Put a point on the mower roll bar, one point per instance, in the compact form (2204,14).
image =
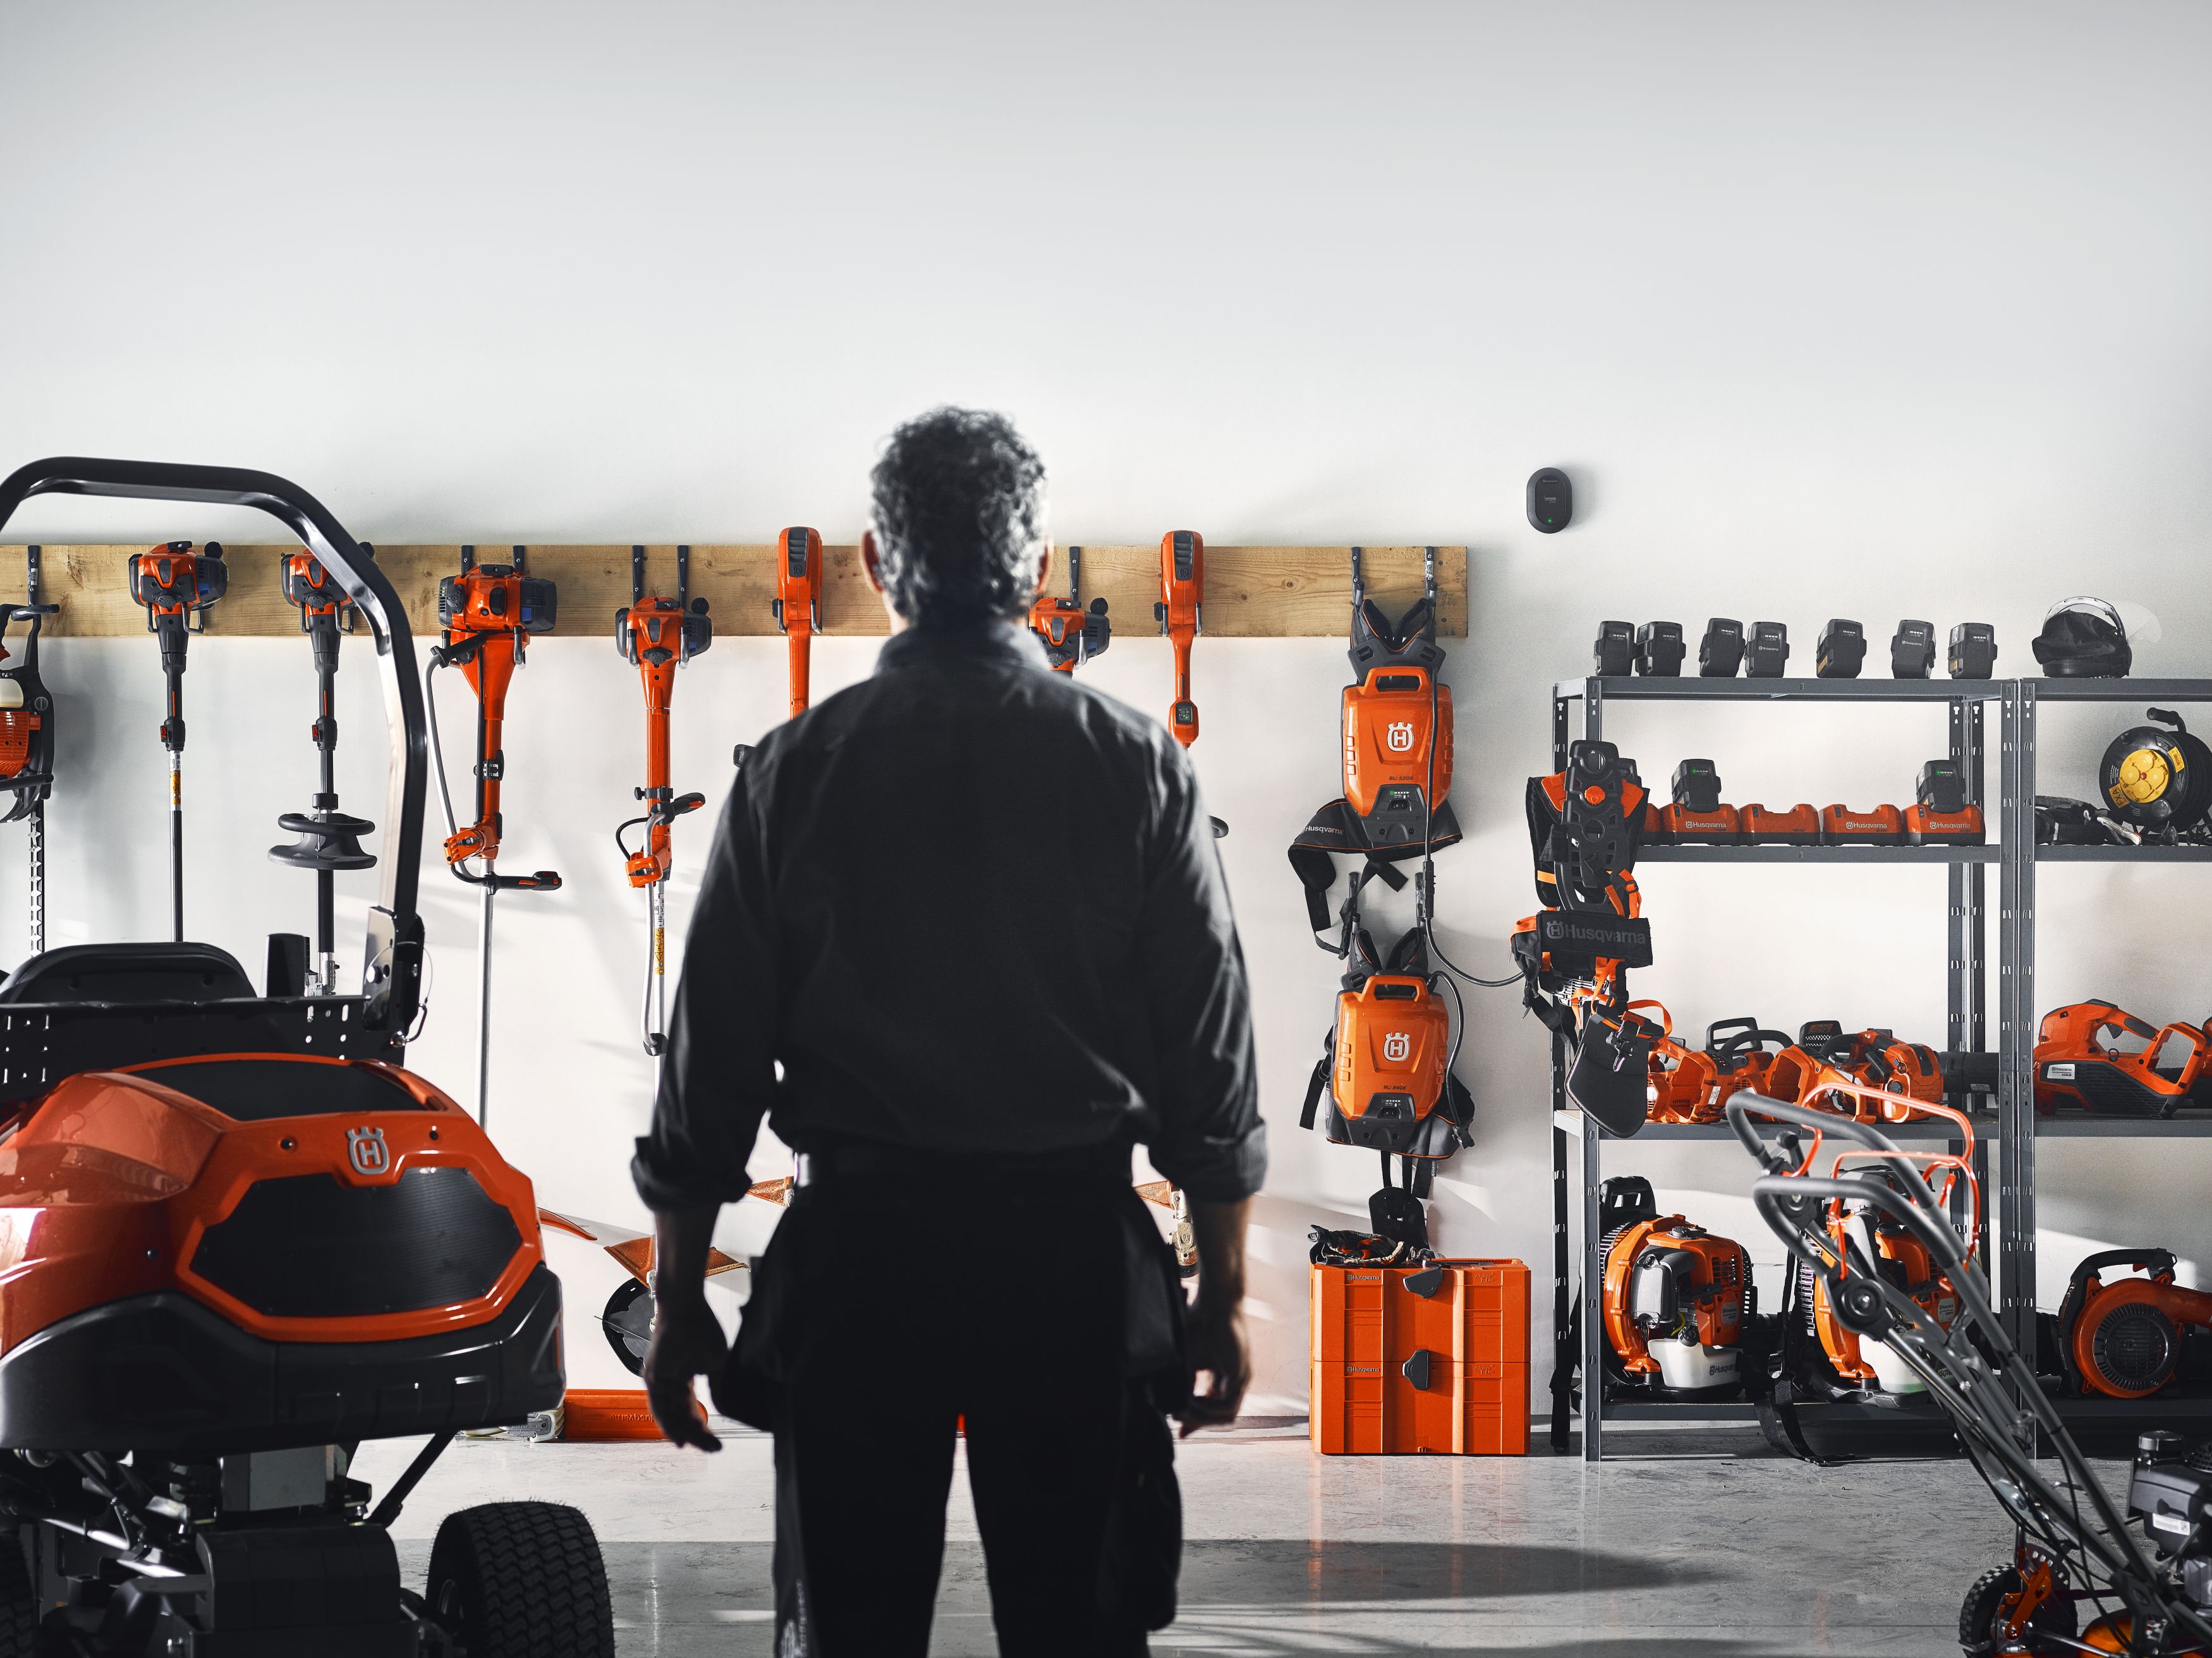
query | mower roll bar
(391,973)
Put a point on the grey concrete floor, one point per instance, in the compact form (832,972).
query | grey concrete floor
(1682,1543)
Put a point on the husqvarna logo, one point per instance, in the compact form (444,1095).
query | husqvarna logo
(366,1150)
(1398,734)
(1397,1046)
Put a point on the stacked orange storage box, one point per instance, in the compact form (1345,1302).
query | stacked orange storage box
(1421,1358)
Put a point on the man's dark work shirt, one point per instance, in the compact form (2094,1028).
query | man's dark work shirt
(971,906)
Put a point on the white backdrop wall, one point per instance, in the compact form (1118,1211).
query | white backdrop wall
(1863,310)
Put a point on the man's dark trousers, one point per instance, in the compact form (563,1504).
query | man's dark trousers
(904,1306)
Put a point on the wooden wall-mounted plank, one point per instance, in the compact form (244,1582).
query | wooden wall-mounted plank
(1251,593)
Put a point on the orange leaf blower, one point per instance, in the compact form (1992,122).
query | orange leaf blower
(488,612)
(27,738)
(798,604)
(2123,1340)
(176,587)
(658,636)
(1181,616)
(1678,1300)
(1071,635)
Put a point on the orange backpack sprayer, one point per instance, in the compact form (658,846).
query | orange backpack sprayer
(798,604)
(658,636)
(1071,635)
(329,840)
(488,612)
(1181,616)
(176,587)
(27,738)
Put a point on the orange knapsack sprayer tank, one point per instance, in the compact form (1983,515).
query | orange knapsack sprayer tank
(1071,635)
(328,841)
(658,636)
(2078,1064)
(177,586)
(488,612)
(798,604)
(1180,613)
(27,736)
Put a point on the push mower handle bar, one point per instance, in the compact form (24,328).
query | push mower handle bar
(1914,1204)
(395,929)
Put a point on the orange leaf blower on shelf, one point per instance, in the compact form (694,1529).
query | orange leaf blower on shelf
(1071,635)
(27,738)
(1678,1300)
(2123,1340)
(1181,616)
(176,587)
(488,612)
(658,636)
(798,604)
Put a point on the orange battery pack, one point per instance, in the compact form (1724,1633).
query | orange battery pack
(1777,826)
(1877,826)
(1924,826)
(1686,827)
(1411,1359)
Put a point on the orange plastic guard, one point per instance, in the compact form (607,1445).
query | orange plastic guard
(798,603)
(1182,613)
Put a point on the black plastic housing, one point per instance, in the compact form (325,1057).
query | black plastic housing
(1973,650)
(1720,653)
(1841,651)
(1660,649)
(1912,650)
(1767,652)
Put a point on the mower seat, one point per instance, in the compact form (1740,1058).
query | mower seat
(128,973)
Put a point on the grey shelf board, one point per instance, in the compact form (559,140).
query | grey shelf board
(1938,856)
(1572,1121)
(2117,855)
(2183,1124)
(2119,690)
(1660,690)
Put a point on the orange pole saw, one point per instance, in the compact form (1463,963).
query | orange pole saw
(1071,635)
(27,738)
(1181,616)
(658,636)
(176,587)
(488,612)
(798,604)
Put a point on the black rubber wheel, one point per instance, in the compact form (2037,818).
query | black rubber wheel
(1978,1613)
(19,1601)
(522,1580)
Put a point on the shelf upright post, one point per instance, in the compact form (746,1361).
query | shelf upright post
(1968,982)
(1562,1340)
(1593,1245)
(2016,1019)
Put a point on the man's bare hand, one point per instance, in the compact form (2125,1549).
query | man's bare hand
(1218,1350)
(686,1342)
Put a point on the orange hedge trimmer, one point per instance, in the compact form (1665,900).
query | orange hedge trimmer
(176,587)
(658,636)
(798,604)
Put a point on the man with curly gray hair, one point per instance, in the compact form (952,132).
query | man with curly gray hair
(963,942)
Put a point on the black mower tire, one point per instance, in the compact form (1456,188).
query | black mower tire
(522,1580)
(19,1602)
(1977,1614)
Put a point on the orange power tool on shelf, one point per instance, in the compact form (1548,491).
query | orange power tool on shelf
(1181,616)
(488,612)
(27,736)
(658,636)
(175,586)
(1071,635)
(798,604)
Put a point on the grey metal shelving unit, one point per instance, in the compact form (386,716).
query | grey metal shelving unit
(2017,858)
(1963,702)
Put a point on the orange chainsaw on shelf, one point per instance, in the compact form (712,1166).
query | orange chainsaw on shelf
(657,636)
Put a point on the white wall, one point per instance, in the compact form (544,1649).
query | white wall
(1861,310)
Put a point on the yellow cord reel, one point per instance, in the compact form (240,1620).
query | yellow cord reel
(2156,780)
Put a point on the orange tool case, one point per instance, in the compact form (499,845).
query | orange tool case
(1421,1358)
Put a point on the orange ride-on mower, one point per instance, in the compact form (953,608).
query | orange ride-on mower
(2089,1572)
(243,1238)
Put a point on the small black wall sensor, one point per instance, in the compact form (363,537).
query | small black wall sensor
(1551,500)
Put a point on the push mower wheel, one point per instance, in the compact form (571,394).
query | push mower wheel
(1986,1603)
(522,1580)
(19,1602)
